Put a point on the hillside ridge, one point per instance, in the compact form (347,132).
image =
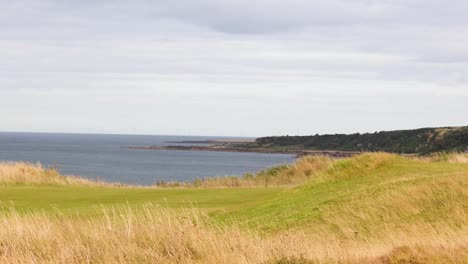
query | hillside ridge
(415,141)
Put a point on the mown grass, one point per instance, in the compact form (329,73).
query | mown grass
(83,200)
(373,208)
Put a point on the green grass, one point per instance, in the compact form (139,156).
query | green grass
(379,188)
(84,200)
(372,208)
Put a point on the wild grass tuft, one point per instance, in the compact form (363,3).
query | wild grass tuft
(454,158)
(28,173)
(152,234)
(301,171)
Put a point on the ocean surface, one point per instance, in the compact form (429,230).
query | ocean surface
(102,157)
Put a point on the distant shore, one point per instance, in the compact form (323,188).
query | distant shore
(227,148)
(218,141)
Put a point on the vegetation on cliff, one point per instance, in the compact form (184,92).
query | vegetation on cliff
(421,141)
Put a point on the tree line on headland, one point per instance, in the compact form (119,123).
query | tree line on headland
(421,141)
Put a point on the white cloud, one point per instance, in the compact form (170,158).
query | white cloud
(232,67)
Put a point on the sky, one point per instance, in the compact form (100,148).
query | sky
(232,68)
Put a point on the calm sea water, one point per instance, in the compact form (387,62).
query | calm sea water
(102,157)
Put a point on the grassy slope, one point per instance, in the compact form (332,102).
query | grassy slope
(372,184)
(84,200)
(355,210)
(32,188)
(372,191)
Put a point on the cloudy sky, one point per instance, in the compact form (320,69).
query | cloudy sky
(232,67)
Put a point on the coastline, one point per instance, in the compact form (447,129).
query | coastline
(223,148)
(211,142)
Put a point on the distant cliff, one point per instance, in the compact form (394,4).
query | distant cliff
(423,141)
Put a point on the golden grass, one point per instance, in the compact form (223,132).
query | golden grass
(398,216)
(456,158)
(309,168)
(402,209)
(453,158)
(28,173)
(155,235)
(301,171)
(285,175)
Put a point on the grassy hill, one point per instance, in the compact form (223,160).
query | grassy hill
(372,208)
(424,140)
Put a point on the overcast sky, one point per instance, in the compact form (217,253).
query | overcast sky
(238,68)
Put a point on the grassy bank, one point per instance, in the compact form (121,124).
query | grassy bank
(373,208)
(152,234)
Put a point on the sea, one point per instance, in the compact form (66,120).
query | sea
(104,157)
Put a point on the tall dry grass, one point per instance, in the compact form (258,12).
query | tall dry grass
(155,235)
(411,205)
(411,219)
(454,158)
(28,173)
(285,175)
(301,171)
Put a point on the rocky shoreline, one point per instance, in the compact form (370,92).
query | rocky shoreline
(223,148)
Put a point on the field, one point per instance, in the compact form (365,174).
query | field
(372,208)
(83,200)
